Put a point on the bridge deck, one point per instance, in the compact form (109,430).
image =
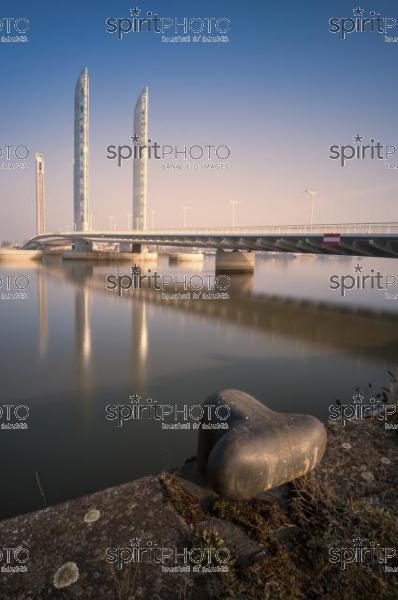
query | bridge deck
(357,239)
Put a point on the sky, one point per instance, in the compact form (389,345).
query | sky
(278,94)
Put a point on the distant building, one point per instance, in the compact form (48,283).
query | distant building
(140,168)
(80,165)
(40,221)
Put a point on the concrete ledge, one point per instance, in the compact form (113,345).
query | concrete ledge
(11,254)
(115,256)
(79,532)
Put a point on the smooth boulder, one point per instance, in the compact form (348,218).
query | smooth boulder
(261,448)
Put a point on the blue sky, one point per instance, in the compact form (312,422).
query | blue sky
(279,94)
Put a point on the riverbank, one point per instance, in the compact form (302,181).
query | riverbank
(282,544)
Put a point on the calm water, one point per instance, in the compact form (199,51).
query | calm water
(72,347)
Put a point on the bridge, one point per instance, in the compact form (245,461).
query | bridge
(355,239)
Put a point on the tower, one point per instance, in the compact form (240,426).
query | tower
(40,223)
(140,168)
(80,164)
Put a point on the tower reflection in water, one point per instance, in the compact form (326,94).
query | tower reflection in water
(139,346)
(43,313)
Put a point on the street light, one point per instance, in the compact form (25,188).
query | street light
(153,213)
(129,220)
(234,203)
(312,193)
(112,222)
(185,208)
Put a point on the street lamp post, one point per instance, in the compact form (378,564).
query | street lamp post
(234,203)
(312,193)
(153,213)
(185,208)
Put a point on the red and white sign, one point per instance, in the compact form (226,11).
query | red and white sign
(331,239)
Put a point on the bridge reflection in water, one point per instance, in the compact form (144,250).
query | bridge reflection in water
(364,331)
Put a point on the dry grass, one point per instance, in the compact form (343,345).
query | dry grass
(186,504)
(259,518)
(125,581)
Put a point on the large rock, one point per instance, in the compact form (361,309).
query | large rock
(260,450)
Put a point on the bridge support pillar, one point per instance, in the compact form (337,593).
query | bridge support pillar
(176,257)
(124,247)
(82,246)
(235,262)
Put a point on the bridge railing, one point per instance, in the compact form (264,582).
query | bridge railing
(284,229)
(342,228)
(262,230)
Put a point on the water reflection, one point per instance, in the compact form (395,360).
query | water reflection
(349,329)
(95,348)
(139,345)
(43,316)
(81,274)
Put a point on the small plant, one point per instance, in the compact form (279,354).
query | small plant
(207,539)
(187,505)
(125,582)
